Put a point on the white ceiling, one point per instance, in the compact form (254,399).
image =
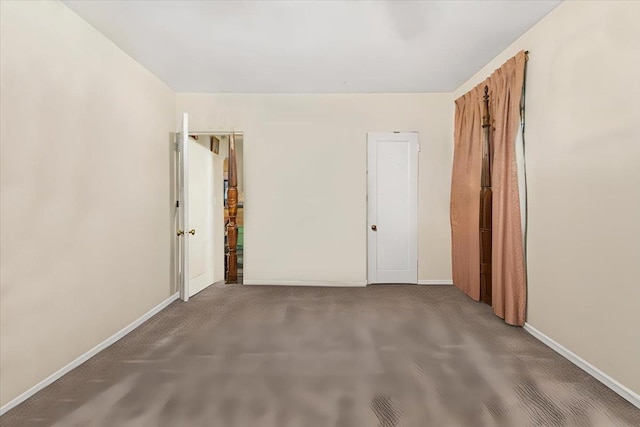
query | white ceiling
(313,46)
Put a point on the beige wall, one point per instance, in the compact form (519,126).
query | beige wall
(583,174)
(305,178)
(85,204)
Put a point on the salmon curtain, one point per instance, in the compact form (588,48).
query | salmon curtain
(508,263)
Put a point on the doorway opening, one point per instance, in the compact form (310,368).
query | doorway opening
(209,209)
(228,164)
(227,178)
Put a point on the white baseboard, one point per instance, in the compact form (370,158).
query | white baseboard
(88,355)
(334,284)
(436,282)
(623,391)
(356,284)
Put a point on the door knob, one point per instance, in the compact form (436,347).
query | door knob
(374,227)
(179,232)
(192,232)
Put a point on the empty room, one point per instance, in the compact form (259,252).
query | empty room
(319,213)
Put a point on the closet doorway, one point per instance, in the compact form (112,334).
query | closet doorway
(392,207)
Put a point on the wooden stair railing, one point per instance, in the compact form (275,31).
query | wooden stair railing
(486,196)
(231,275)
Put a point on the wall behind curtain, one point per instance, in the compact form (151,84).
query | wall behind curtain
(85,206)
(582,157)
(305,178)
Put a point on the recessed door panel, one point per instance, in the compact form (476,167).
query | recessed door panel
(201,261)
(392,207)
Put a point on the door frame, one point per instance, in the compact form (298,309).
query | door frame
(180,209)
(372,199)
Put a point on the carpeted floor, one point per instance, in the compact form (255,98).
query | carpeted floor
(250,356)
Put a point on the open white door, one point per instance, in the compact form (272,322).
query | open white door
(182,141)
(392,206)
(200,209)
(195,210)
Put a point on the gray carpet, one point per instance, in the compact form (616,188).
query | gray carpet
(242,356)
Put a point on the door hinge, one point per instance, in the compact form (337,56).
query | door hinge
(176,146)
(177,203)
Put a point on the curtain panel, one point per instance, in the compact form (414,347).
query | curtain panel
(508,262)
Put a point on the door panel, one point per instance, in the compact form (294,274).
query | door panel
(392,207)
(200,216)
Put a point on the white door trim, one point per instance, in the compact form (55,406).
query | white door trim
(182,139)
(410,138)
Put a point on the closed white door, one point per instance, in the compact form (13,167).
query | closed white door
(392,207)
(201,214)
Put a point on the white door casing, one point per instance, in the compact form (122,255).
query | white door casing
(182,148)
(392,207)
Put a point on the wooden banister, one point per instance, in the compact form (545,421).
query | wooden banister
(486,196)
(232,207)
